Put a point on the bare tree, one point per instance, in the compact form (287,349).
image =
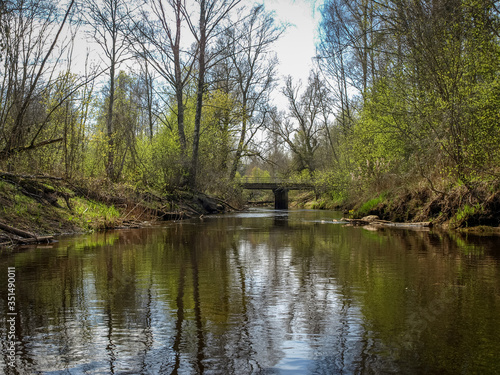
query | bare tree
(157,38)
(107,19)
(33,43)
(352,52)
(212,15)
(4,27)
(254,71)
(302,129)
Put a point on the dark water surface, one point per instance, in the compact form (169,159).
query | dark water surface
(259,292)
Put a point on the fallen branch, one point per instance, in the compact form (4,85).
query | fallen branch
(6,154)
(16,231)
(25,241)
(224,202)
(22,237)
(191,208)
(33,177)
(372,221)
(426,224)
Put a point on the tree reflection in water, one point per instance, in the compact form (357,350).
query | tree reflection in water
(257,293)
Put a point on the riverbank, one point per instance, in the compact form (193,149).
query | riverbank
(474,209)
(37,207)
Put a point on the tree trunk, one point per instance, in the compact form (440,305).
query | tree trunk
(241,143)
(179,85)
(199,96)
(109,124)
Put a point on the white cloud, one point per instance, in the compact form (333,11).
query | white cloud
(296,48)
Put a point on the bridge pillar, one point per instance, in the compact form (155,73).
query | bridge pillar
(280,198)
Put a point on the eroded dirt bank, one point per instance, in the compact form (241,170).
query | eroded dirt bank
(34,208)
(475,208)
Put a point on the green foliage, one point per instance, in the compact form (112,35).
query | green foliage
(335,184)
(167,158)
(256,172)
(219,127)
(370,205)
(93,215)
(465,215)
(429,102)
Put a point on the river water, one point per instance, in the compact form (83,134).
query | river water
(255,292)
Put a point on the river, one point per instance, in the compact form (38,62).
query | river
(255,292)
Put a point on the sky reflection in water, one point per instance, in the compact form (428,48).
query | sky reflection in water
(258,292)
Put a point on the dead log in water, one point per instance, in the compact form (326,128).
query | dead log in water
(16,231)
(24,237)
(372,220)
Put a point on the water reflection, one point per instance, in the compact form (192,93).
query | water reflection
(259,292)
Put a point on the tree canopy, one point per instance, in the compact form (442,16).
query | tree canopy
(182,93)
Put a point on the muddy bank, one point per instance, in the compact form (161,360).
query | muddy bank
(35,208)
(457,208)
(474,209)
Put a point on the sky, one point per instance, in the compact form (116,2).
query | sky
(296,48)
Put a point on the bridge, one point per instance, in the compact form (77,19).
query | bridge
(279,187)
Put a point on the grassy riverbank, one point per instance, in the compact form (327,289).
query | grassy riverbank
(46,206)
(456,207)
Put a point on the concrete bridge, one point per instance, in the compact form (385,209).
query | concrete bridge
(279,187)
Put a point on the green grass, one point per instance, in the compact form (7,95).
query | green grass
(464,214)
(43,218)
(93,215)
(370,205)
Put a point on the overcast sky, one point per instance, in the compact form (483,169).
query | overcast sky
(296,48)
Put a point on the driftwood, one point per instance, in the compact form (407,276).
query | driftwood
(225,203)
(16,231)
(356,221)
(370,220)
(424,224)
(22,237)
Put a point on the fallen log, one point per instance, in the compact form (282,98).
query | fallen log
(22,237)
(425,224)
(26,241)
(222,201)
(16,231)
(385,223)
(356,221)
